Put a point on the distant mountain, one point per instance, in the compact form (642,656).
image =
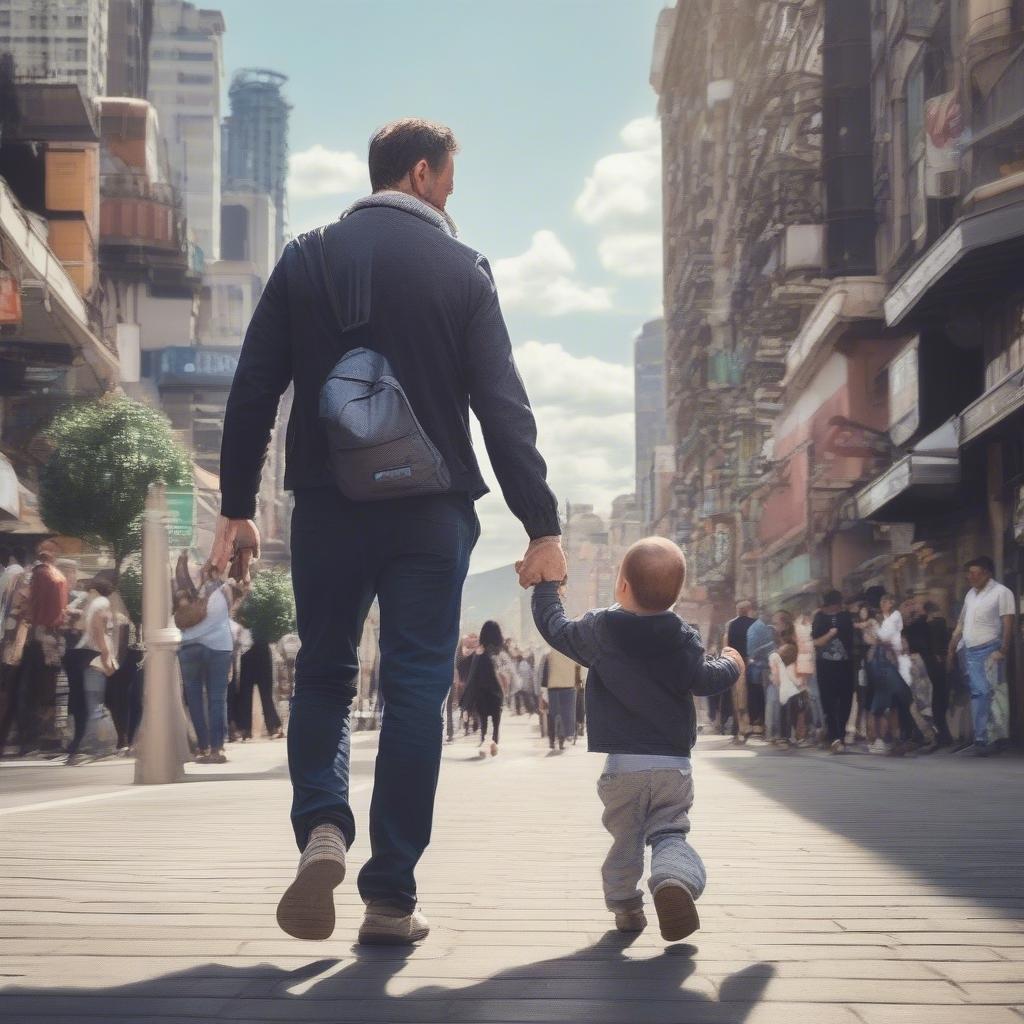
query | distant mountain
(492,595)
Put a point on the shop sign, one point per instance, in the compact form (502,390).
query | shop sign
(10,298)
(904,394)
(884,489)
(992,407)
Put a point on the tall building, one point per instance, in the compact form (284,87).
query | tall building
(257,139)
(649,400)
(185,72)
(129,28)
(57,41)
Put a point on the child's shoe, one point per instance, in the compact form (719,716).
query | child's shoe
(630,920)
(677,911)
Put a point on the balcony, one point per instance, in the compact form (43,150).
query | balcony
(713,557)
(133,211)
(724,370)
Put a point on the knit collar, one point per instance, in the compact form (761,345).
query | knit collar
(410,204)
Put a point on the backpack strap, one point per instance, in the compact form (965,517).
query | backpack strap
(332,294)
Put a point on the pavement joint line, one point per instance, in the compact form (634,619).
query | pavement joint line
(90,798)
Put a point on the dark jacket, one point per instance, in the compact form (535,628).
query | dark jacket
(425,301)
(644,673)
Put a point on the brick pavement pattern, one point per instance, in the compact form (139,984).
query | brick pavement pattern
(842,890)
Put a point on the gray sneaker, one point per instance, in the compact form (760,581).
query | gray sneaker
(384,925)
(630,920)
(306,910)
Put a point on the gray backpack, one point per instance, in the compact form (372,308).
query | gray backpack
(377,448)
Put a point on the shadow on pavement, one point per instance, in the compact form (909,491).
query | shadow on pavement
(593,985)
(952,821)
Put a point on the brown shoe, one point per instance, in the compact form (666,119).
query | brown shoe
(677,912)
(306,910)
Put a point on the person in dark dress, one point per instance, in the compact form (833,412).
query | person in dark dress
(487,685)
(748,701)
(833,635)
(939,633)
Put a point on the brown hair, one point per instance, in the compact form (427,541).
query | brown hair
(655,570)
(787,652)
(399,146)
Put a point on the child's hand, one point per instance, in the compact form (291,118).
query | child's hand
(735,657)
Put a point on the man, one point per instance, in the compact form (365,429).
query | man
(398,283)
(985,632)
(560,680)
(833,635)
(748,691)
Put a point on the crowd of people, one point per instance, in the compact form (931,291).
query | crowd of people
(494,675)
(71,660)
(882,672)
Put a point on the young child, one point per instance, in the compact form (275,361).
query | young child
(646,665)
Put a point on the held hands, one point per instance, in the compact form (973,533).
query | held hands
(235,538)
(544,562)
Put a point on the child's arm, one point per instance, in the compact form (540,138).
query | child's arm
(715,675)
(573,637)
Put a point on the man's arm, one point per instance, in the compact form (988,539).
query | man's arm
(499,400)
(1007,641)
(573,637)
(954,639)
(264,372)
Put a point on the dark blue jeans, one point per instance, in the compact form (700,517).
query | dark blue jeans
(412,555)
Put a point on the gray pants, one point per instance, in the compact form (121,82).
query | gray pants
(648,809)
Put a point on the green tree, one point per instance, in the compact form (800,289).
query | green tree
(130,588)
(106,454)
(268,611)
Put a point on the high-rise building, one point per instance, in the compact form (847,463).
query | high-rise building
(129,27)
(185,70)
(257,139)
(57,41)
(649,400)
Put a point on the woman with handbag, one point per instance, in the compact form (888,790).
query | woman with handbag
(90,662)
(207,647)
(490,673)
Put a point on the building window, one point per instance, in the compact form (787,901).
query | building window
(76,21)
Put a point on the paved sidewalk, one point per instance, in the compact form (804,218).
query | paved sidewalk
(852,890)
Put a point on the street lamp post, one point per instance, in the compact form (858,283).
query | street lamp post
(163,733)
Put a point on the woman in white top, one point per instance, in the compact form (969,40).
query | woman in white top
(205,658)
(91,661)
(791,692)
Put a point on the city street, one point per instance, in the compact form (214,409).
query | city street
(853,890)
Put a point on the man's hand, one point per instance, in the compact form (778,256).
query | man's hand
(544,562)
(735,657)
(997,656)
(235,537)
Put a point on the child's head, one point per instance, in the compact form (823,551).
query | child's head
(651,576)
(787,652)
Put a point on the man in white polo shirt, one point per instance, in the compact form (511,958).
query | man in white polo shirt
(985,631)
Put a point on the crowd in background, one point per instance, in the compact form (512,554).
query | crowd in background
(71,665)
(884,672)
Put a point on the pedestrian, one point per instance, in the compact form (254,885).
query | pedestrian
(488,680)
(205,657)
(748,695)
(387,295)
(12,640)
(775,721)
(939,633)
(523,692)
(89,665)
(560,682)
(760,642)
(832,634)
(791,696)
(645,667)
(985,632)
(805,670)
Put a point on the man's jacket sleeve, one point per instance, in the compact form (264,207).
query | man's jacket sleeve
(264,372)
(575,638)
(498,398)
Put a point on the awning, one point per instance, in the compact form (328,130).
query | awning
(961,259)
(28,521)
(930,471)
(993,407)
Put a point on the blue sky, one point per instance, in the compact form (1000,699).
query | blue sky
(557,182)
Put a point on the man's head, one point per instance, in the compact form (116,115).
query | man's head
(651,576)
(744,608)
(832,602)
(47,552)
(414,156)
(979,571)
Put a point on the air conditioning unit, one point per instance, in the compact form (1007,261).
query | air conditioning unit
(941,184)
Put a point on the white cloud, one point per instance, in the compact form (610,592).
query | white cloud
(318,171)
(540,281)
(584,410)
(625,185)
(632,254)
